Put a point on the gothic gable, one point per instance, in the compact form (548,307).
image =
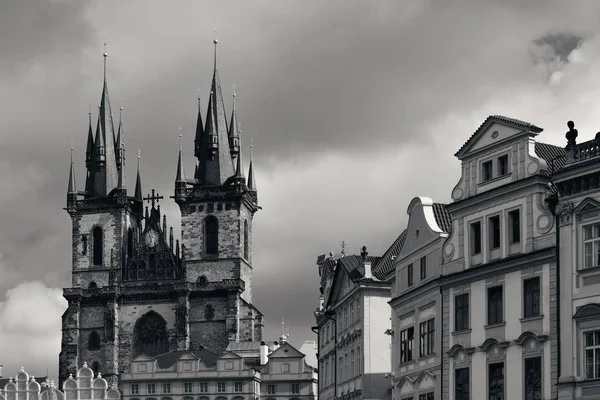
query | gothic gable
(340,287)
(493,130)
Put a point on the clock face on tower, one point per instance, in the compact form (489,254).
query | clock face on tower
(151,238)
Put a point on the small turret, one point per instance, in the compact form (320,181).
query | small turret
(251,178)
(180,184)
(90,157)
(199,132)
(239,178)
(164,227)
(72,189)
(234,139)
(138,181)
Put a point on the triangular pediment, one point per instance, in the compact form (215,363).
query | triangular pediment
(143,357)
(187,356)
(588,204)
(230,356)
(286,351)
(493,130)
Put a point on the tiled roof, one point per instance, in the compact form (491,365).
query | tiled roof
(500,118)
(247,346)
(552,154)
(168,359)
(352,262)
(386,263)
(442,217)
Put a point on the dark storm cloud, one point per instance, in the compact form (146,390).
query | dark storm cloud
(355,107)
(561,44)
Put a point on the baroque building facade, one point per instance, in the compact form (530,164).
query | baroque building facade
(416,304)
(353,351)
(137,291)
(577,207)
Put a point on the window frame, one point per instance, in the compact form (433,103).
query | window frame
(407,337)
(499,161)
(535,305)
(511,226)
(494,232)
(211,235)
(499,319)
(427,337)
(166,387)
(151,388)
(423,267)
(271,388)
(595,357)
(97,242)
(221,385)
(409,275)
(489,378)
(203,387)
(295,386)
(484,171)
(594,241)
(238,385)
(525,374)
(134,388)
(187,385)
(464,310)
(463,396)
(476,245)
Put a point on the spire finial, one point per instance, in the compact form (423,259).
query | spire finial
(180,147)
(90,112)
(199,104)
(105,56)
(215,41)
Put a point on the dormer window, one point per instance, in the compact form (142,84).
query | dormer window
(486,170)
(503,165)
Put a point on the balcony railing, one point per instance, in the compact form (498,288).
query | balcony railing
(582,152)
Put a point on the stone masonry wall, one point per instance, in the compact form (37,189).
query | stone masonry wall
(204,330)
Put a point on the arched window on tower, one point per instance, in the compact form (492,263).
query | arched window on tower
(150,335)
(211,235)
(96,367)
(98,245)
(246,244)
(94,341)
(129,243)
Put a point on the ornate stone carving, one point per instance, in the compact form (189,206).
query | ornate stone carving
(565,213)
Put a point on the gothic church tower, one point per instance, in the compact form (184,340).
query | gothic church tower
(134,289)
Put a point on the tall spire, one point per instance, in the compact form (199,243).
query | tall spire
(216,164)
(138,182)
(251,178)
(234,140)
(199,131)
(120,139)
(121,151)
(106,173)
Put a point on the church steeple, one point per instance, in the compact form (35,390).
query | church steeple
(199,131)
(251,178)
(216,164)
(90,156)
(180,184)
(106,171)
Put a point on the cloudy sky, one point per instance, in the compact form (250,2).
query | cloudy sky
(355,107)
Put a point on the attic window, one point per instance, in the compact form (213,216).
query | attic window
(503,165)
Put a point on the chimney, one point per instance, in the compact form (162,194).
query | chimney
(275,345)
(367,264)
(264,350)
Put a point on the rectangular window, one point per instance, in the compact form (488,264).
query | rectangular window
(461,384)
(327,334)
(503,165)
(358,364)
(221,387)
(352,370)
(591,243)
(426,396)
(476,238)
(187,387)
(346,365)
(270,389)
(326,380)
(135,389)
(531,297)
(295,388)
(514,226)
(203,387)
(352,312)
(423,268)
(238,386)
(495,315)
(426,337)
(406,344)
(494,231)
(166,388)
(533,378)
(592,355)
(346,318)
(496,381)
(409,273)
(461,312)
(341,364)
(486,170)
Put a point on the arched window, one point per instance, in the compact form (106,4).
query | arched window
(211,235)
(96,367)
(92,285)
(150,335)
(94,341)
(98,245)
(246,244)
(202,280)
(129,243)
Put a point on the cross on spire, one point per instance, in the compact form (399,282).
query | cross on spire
(155,197)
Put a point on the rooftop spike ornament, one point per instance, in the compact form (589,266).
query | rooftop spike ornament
(234,139)
(180,183)
(138,182)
